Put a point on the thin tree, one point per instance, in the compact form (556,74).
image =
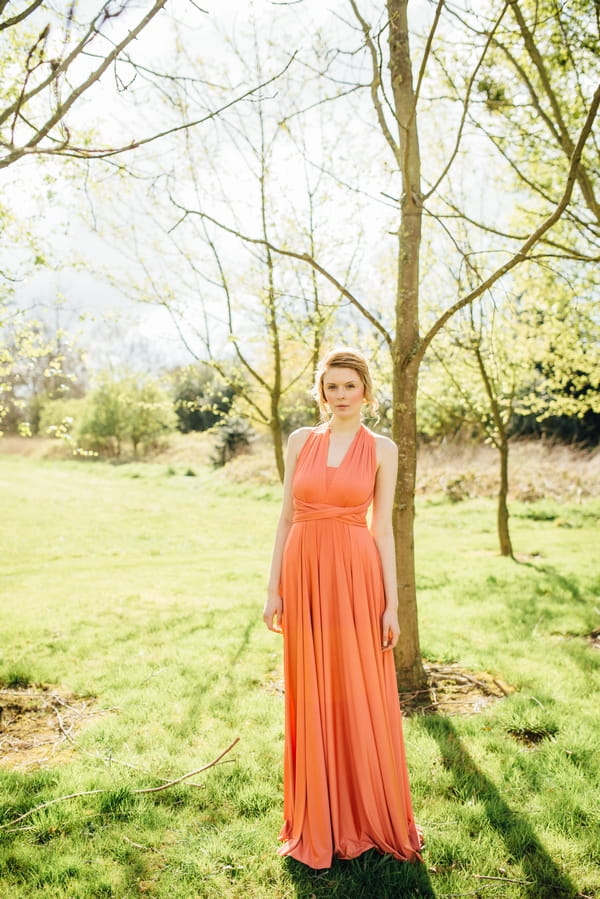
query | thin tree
(245,318)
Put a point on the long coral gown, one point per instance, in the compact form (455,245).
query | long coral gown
(346,785)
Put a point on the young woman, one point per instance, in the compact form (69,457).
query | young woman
(332,593)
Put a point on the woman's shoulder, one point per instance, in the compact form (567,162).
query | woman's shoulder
(385,448)
(300,434)
(298,438)
(382,442)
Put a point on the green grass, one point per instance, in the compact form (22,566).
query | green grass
(142,586)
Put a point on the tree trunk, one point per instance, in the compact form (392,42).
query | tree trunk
(410,673)
(409,668)
(277,435)
(503,531)
(500,440)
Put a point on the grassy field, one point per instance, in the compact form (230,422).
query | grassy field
(141,587)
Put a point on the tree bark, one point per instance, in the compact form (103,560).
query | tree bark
(500,440)
(503,531)
(409,668)
(277,435)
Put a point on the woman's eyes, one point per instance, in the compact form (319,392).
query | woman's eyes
(347,386)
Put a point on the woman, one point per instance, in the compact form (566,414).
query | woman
(332,593)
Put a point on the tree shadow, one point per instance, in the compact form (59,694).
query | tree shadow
(368,876)
(548,880)
(566,584)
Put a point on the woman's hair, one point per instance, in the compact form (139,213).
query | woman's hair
(344,357)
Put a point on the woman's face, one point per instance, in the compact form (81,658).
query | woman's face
(343,390)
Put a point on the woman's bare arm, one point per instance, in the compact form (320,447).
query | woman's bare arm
(273,608)
(383,534)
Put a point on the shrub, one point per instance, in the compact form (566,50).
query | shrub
(134,409)
(61,418)
(201,398)
(233,436)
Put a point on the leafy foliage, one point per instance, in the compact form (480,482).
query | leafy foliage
(536,82)
(134,409)
(35,365)
(202,398)
(542,353)
(234,435)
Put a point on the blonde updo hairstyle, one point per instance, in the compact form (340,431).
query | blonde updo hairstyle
(344,357)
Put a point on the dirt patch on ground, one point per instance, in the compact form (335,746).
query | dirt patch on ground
(451,690)
(594,638)
(37,721)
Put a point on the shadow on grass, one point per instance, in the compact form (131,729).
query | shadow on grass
(547,878)
(369,876)
(561,583)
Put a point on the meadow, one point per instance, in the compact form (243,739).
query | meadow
(136,589)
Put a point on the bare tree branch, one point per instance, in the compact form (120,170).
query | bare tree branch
(302,257)
(465,105)
(565,139)
(534,238)
(57,69)
(8,23)
(164,786)
(375,85)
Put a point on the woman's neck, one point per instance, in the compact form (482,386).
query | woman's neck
(344,426)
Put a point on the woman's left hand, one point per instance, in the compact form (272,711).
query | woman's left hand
(390,629)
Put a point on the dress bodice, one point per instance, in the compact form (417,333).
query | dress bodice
(345,491)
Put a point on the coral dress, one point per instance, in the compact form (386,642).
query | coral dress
(346,784)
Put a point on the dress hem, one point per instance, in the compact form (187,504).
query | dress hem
(360,849)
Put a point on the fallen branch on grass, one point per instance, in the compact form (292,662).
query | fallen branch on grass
(164,786)
(103,758)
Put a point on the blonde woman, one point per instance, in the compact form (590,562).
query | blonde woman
(332,593)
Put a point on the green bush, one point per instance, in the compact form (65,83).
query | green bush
(133,409)
(201,397)
(61,418)
(233,436)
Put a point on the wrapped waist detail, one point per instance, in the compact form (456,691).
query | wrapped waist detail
(355,515)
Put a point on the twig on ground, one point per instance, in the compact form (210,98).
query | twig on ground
(61,726)
(165,786)
(112,761)
(507,879)
(183,777)
(139,845)
(502,687)
(93,755)
(460,677)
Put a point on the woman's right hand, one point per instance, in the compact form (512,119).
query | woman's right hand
(273,613)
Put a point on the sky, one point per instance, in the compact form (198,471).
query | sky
(83,250)
(76,295)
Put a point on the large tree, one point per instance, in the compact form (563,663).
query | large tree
(398,103)
(408,345)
